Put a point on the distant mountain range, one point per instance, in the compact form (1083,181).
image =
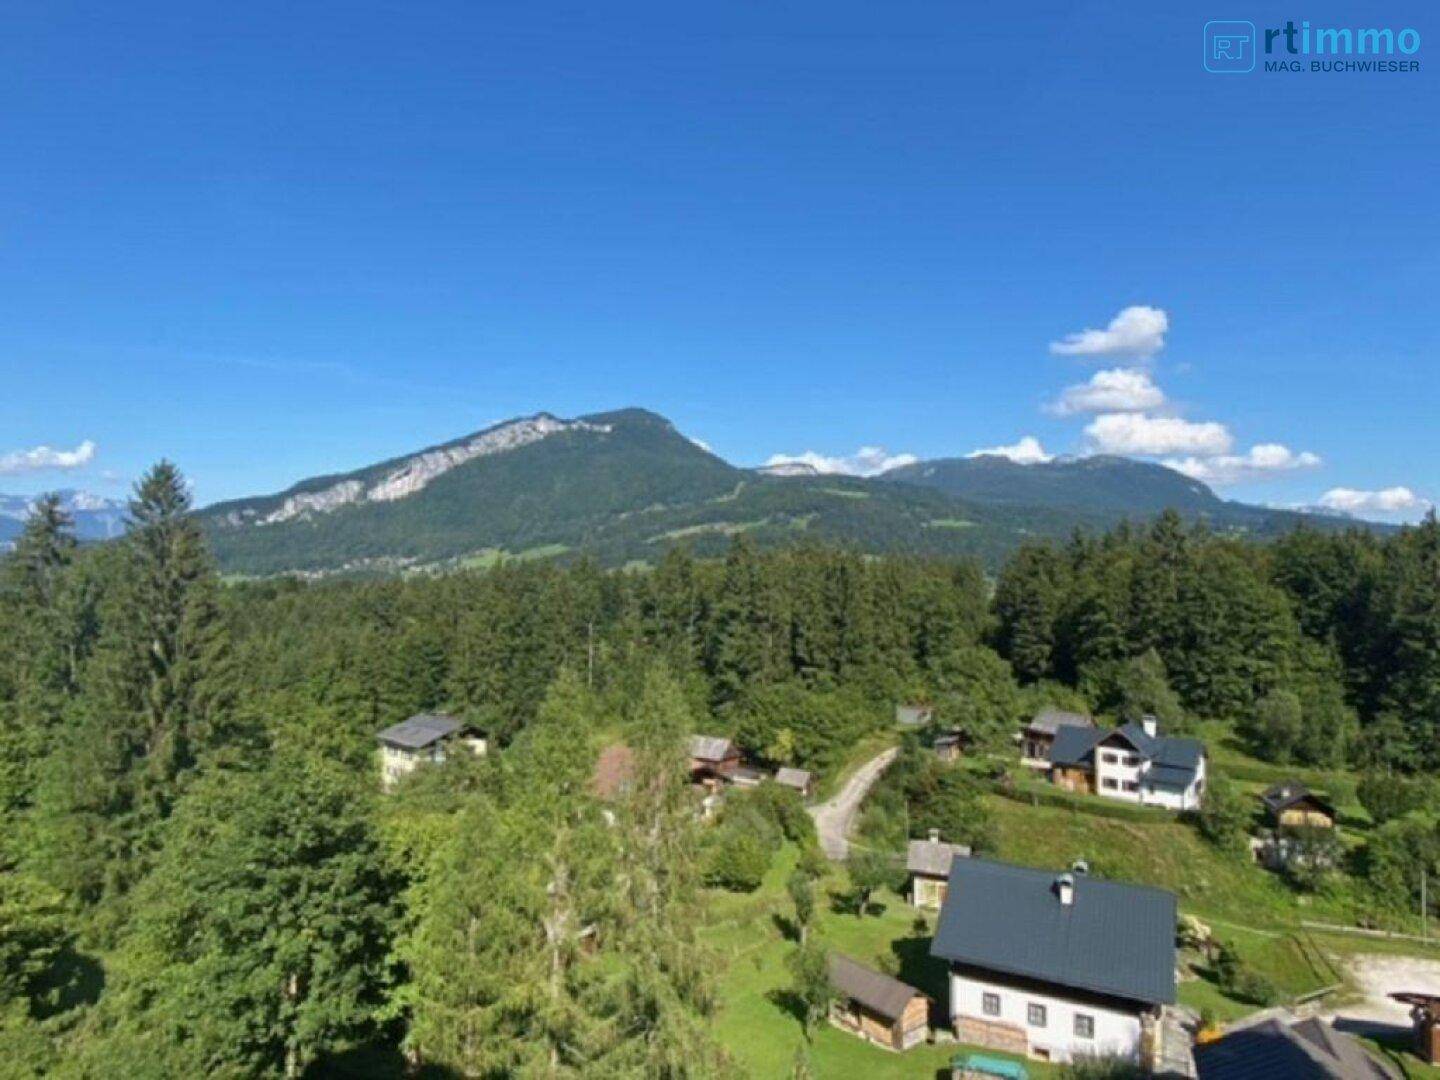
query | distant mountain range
(96,518)
(622,486)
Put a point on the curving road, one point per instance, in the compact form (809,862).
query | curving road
(835,816)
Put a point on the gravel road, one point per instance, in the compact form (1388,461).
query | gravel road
(836,816)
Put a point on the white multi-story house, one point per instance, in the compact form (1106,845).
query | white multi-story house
(1134,763)
(1056,967)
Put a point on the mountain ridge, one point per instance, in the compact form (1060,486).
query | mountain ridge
(625,484)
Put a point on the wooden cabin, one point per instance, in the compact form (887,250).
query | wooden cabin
(1038,736)
(928,864)
(949,746)
(713,761)
(876,1007)
(1291,805)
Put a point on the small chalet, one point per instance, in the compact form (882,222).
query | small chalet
(1038,736)
(1134,763)
(1291,805)
(928,864)
(797,779)
(876,1007)
(713,760)
(1057,966)
(913,716)
(1308,1050)
(406,746)
(949,746)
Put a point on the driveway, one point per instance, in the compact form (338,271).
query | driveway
(835,817)
(1376,977)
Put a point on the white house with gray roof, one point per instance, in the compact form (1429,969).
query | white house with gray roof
(423,738)
(1056,966)
(1134,763)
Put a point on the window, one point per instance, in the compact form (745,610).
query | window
(1131,785)
(1108,784)
(990,1004)
(1035,1015)
(1110,759)
(1084,1026)
(1132,760)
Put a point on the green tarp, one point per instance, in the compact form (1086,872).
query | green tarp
(985,1065)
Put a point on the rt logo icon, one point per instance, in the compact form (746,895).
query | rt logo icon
(1229,46)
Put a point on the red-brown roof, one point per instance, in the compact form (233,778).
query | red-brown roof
(614,769)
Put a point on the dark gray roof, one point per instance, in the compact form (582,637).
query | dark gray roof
(795,778)
(933,857)
(1073,745)
(1113,939)
(1175,759)
(1179,753)
(419,731)
(1169,776)
(1284,795)
(1051,721)
(1144,743)
(709,747)
(1309,1050)
(879,993)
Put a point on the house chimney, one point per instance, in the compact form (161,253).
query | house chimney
(1065,889)
(1150,725)
(934,836)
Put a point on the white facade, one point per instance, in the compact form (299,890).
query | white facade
(1071,1028)
(1121,773)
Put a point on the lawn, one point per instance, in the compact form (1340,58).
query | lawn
(750,934)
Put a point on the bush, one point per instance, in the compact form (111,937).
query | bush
(1101,1068)
(737,859)
(1386,797)
(782,806)
(1239,980)
(1225,815)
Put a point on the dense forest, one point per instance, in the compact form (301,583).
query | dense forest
(200,877)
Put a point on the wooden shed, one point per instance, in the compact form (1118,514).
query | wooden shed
(1425,1015)
(1291,805)
(876,1007)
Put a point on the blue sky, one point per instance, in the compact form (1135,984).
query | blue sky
(273,240)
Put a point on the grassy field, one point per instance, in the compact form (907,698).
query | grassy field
(750,934)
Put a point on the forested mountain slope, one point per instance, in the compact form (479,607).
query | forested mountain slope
(622,486)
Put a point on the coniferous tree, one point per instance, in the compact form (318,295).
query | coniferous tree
(262,938)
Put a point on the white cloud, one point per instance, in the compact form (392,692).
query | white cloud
(44,457)
(1265,459)
(867,461)
(1137,331)
(1137,433)
(1114,390)
(1027,451)
(1391,500)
